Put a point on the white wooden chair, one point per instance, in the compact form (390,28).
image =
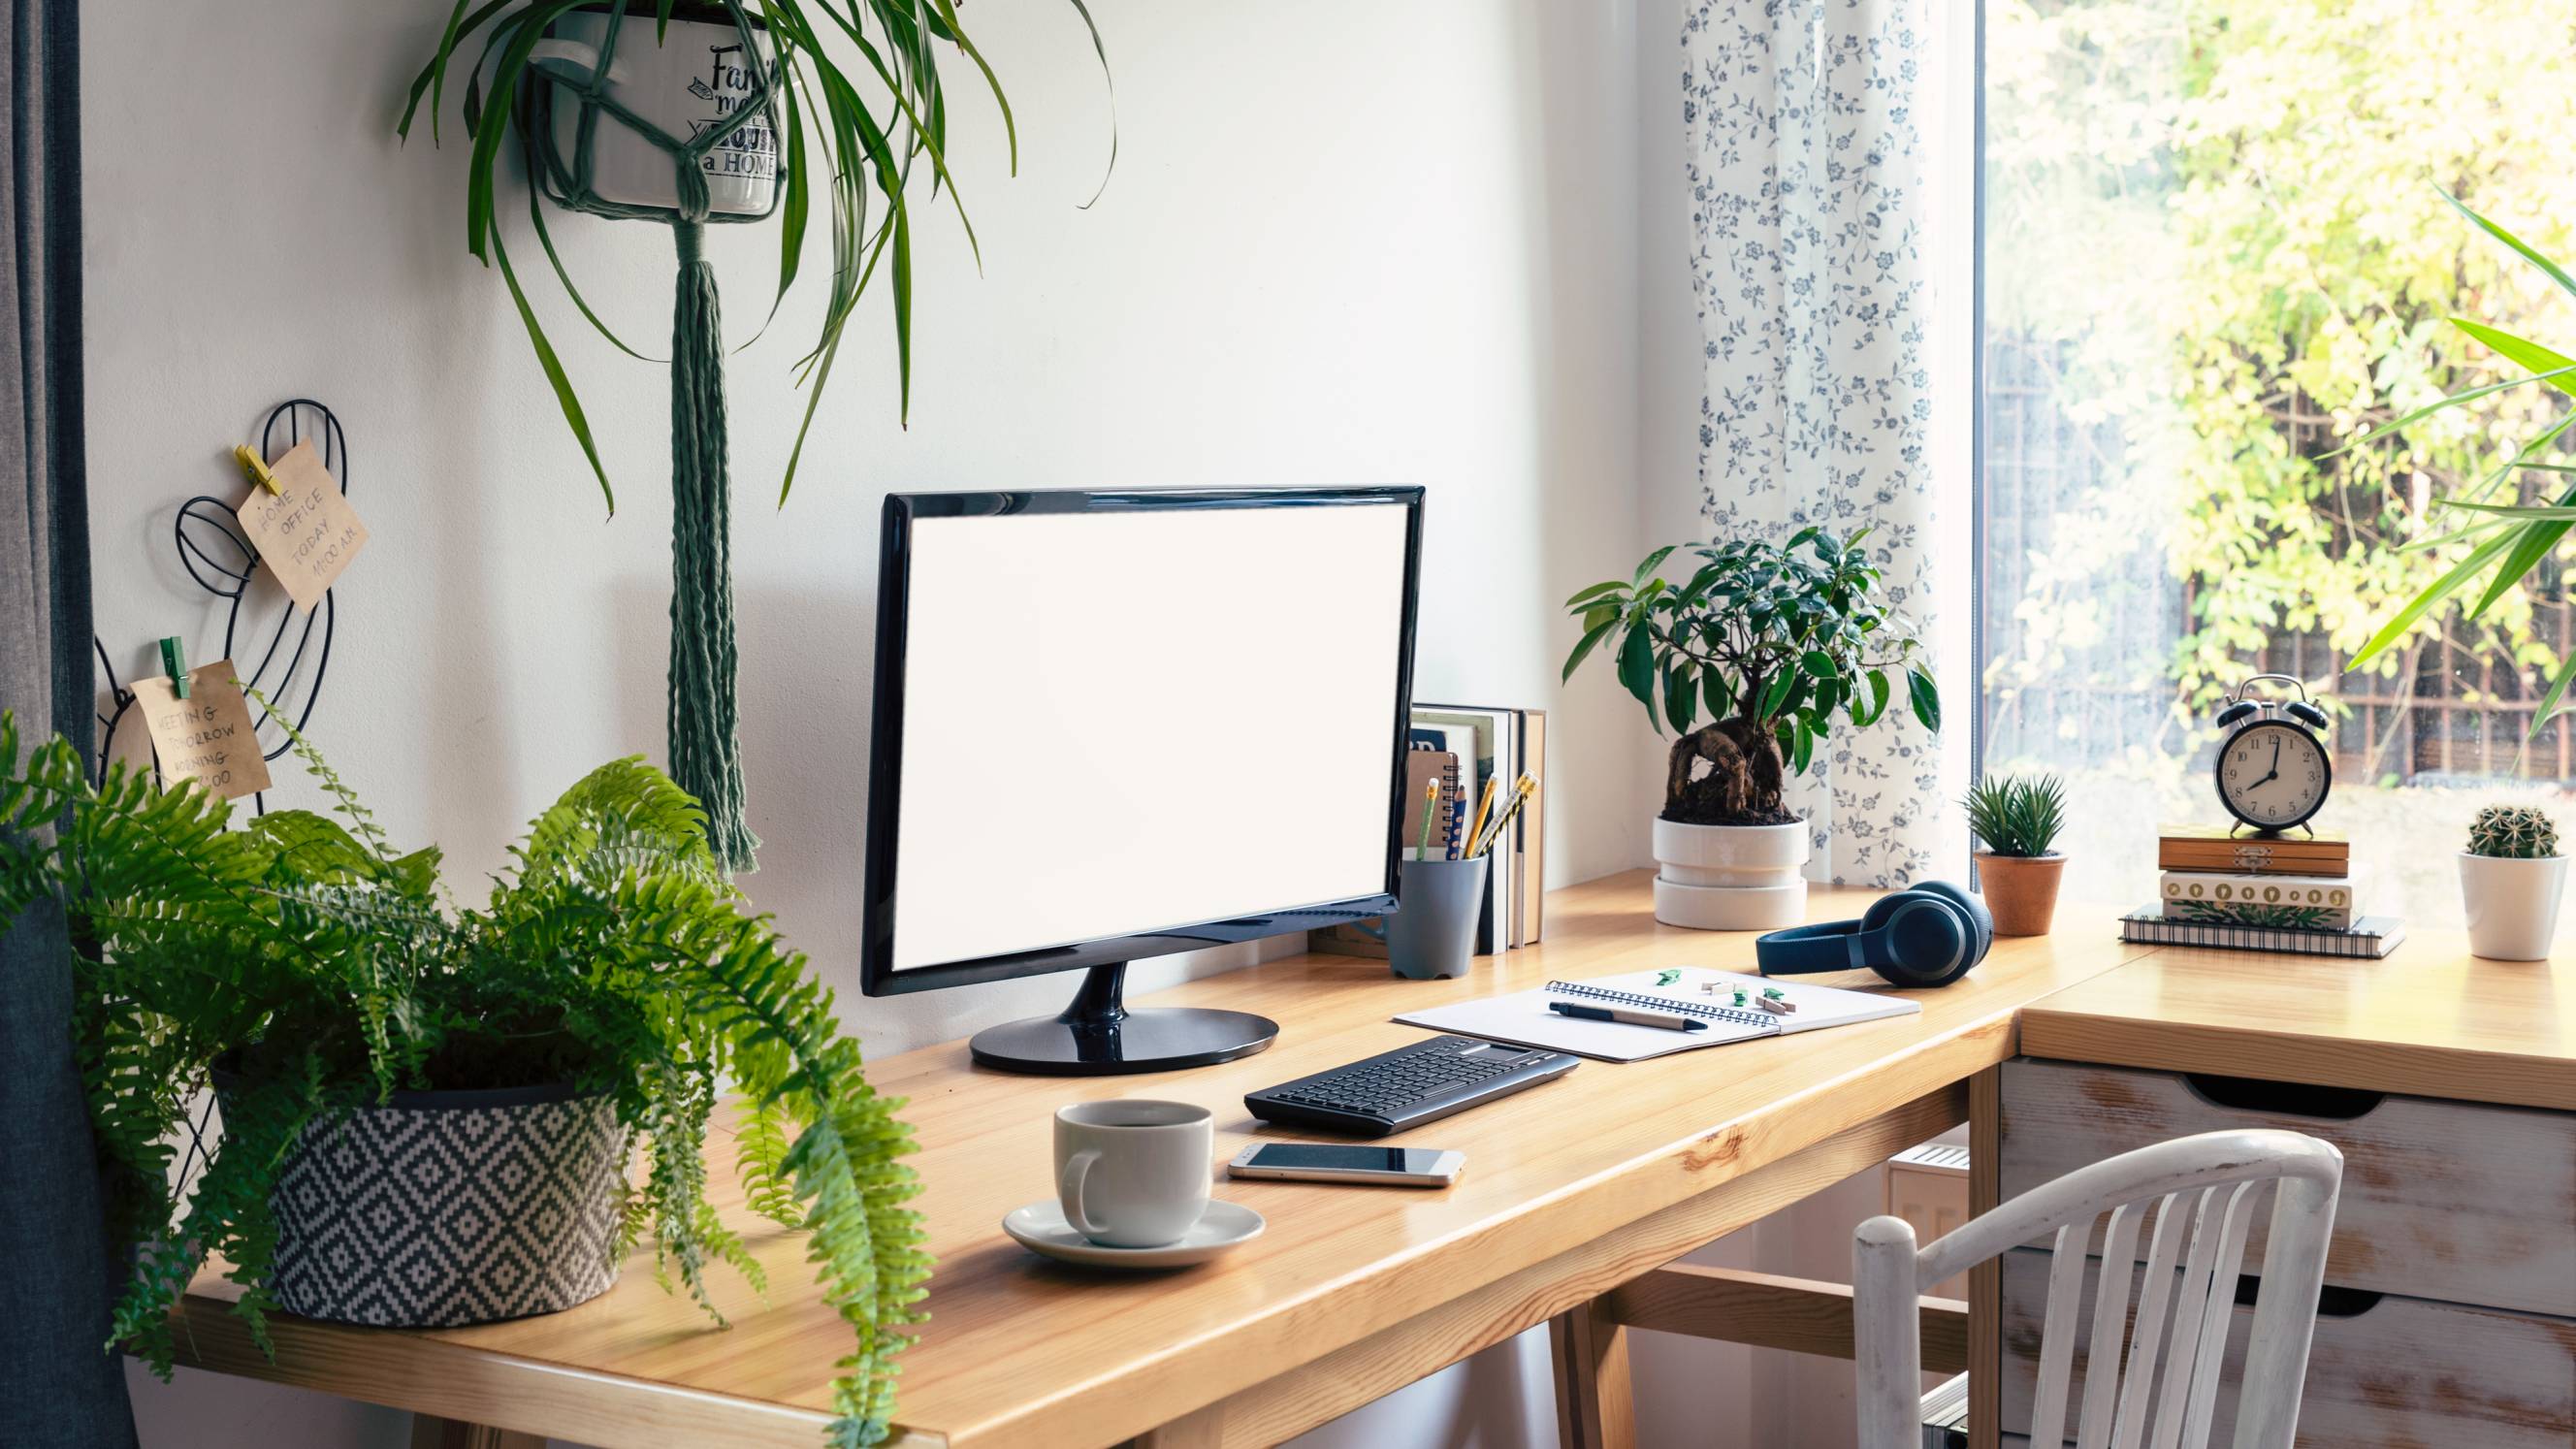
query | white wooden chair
(2208,1184)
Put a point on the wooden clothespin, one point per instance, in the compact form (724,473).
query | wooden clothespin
(174,662)
(255,468)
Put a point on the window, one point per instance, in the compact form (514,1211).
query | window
(2214,254)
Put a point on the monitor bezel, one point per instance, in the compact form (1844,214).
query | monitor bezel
(877,973)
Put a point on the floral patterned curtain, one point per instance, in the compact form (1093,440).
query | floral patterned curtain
(1809,179)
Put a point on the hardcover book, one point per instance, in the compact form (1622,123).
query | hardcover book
(2302,902)
(2219,849)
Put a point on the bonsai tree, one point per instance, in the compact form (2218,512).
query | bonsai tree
(1771,642)
(326,971)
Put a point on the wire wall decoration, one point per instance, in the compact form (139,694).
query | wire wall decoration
(219,556)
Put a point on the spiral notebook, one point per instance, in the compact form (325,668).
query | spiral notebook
(1523,1018)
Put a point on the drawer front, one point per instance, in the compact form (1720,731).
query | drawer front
(2451,1201)
(2400,1373)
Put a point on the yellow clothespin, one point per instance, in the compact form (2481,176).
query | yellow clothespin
(255,468)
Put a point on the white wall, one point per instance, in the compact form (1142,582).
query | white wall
(1346,242)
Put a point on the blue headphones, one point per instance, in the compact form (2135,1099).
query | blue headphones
(1928,934)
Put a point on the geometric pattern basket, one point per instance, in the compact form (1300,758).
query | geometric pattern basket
(446,1208)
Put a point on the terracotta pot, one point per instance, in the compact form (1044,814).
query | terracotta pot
(2021,890)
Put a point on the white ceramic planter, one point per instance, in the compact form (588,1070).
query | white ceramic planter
(1730,877)
(2512,905)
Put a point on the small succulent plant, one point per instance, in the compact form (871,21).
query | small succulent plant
(2513,832)
(2017,816)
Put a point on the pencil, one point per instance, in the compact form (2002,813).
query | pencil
(1521,792)
(1430,798)
(1483,808)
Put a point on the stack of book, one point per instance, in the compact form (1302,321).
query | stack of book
(1463,746)
(2258,893)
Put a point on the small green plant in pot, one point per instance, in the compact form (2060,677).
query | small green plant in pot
(2018,820)
(324,990)
(1776,646)
(2511,878)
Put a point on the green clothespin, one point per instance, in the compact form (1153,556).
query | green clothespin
(1775,993)
(1739,996)
(174,662)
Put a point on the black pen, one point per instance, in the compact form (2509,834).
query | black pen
(1666,1020)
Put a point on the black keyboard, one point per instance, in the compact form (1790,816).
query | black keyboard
(1408,1086)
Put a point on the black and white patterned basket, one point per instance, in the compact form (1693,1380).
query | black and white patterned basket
(444,1208)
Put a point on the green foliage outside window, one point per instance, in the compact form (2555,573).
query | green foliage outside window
(2230,236)
(326,970)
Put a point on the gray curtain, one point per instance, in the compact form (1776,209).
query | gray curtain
(61,1388)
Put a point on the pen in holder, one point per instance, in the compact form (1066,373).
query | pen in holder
(1432,934)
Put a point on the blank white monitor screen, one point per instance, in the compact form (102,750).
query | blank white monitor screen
(1118,723)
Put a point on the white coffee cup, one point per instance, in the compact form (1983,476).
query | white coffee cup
(1133,1173)
(696,78)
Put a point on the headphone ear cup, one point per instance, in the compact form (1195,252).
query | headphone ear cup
(1981,922)
(1927,941)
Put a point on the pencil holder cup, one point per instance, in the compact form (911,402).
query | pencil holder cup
(1432,935)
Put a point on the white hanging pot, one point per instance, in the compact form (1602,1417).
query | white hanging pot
(1731,877)
(2512,905)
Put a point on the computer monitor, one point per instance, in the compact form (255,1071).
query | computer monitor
(1117,725)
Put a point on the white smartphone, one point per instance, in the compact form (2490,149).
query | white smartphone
(1348,1162)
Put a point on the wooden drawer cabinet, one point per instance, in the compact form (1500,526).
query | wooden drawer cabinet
(2452,1202)
(2384,1370)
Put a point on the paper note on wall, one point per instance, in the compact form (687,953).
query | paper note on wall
(209,737)
(305,532)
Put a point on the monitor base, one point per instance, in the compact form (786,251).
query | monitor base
(1098,1036)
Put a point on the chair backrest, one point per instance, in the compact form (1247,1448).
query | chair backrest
(2206,1185)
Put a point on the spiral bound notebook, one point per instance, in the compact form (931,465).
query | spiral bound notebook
(1523,1018)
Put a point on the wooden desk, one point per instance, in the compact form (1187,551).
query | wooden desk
(2452,1095)
(1572,1190)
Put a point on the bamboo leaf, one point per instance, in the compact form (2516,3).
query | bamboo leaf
(2549,701)
(2454,400)
(2545,364)
(2390,632)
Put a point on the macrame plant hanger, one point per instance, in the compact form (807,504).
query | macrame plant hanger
(705,750)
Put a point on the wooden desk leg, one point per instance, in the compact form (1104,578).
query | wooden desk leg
(1590,1354)
(1986,1280)
(428,1431)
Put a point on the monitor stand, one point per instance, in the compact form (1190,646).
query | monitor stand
(1099,1036)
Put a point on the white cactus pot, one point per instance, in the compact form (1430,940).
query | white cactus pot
(2512,905)
(1731,877)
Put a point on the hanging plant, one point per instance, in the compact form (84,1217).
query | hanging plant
(694,114)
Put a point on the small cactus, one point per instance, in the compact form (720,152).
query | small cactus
(2514,832)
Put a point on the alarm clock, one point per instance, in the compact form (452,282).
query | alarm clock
(2273,771)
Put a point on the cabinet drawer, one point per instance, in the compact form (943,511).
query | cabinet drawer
(2451,1201)
(2397,1372)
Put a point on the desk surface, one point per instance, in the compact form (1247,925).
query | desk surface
(2430,1020)
(1019,1351)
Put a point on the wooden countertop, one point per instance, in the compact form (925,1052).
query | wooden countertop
(2430,1020)
(1022,1352)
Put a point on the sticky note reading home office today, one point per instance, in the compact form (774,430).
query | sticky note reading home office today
(209,737)
(305,532)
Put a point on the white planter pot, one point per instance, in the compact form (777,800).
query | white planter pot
(2512,905)
(1730,877)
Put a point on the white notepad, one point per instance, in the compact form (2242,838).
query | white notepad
(1523,1019)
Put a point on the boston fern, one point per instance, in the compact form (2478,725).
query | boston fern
(320,971)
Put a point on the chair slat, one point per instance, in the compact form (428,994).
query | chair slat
(2110,1313)
(2221,1316)
(2146,1341)
(2189,1319)
(2057,1334)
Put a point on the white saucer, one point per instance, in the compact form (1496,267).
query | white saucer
(1040,1227)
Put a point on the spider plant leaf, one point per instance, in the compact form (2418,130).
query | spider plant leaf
(555,377)
(437,69)
(830,348)
(1108,83)
(912,117)
(902,278)
(537,218)
(2441,588)
(797,201)
(946,11)
(487,141)
(662,21)
(2556,274)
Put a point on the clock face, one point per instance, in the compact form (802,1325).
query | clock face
(2273,774)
